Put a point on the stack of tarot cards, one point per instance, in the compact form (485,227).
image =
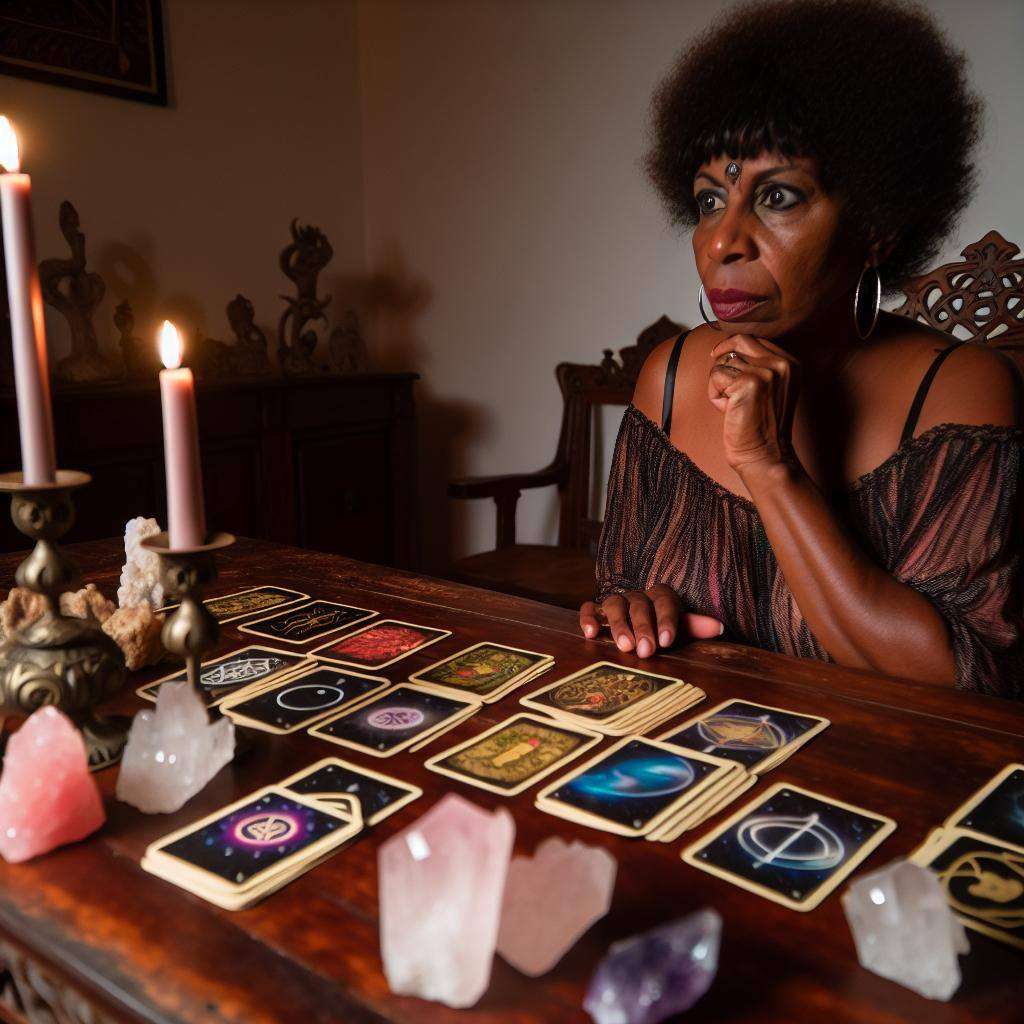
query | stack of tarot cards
(978,855)
(642,787)
(757,736)
(614,700)
(790,845)
(251,848)
(486,671)
(406,717)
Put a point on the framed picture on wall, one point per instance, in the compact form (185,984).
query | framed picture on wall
(109,46)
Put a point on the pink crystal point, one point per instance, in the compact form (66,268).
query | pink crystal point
(47,796)
(441,883)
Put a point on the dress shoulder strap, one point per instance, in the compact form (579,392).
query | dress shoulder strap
(922,391)
(670,383)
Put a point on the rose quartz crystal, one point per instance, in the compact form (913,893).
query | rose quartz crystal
(47,796)
(441,882)
(551,899)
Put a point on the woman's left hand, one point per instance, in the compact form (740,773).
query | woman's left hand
(757,390)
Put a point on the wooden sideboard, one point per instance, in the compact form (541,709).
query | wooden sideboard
(319,462)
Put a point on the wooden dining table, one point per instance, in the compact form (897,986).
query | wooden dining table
(87,936)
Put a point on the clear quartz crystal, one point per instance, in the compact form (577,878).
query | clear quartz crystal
(652,976)
(173,752)
(441,884)
(140,576)
(904,929)
(551,899)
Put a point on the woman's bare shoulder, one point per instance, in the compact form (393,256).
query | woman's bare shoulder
(650,385)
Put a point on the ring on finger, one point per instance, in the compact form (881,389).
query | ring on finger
(729,356)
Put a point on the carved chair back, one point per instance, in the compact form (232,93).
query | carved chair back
(584,389)
(979,299)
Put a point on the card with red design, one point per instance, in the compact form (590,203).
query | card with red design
(380,644)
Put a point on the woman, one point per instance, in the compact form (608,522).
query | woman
(802,472)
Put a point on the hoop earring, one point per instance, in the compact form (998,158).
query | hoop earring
(859,315)
(700,303)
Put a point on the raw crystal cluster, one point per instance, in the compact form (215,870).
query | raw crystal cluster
(87,603)
(173,752)
(20,608)
(550,900)
(904,929)
(441,884)
(649,977)
(47,796)
(137,632)
(140,576)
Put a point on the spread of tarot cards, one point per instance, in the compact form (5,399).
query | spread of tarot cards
(978,855)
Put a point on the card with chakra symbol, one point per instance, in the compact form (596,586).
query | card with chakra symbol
(790,845)
(513,755)
(403,716)
(251,846)
(302,698)
(307,622)
(380,644)
(758,736)
(234,673)
(229,607)
(379,795)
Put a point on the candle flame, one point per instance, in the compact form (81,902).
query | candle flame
(10,159)
(170,345)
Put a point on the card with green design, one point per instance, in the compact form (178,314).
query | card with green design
(488,671)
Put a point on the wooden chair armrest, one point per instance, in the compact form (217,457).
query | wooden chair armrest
(499,486)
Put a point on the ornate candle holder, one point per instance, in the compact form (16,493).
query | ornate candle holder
(191,629)
(59,659)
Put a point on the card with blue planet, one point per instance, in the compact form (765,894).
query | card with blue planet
(242,852)
(982,880)
(996,810)
(405,717)
(241,671)
(379,795)
(758,736)
(790,845)
(302,698)
(635,786)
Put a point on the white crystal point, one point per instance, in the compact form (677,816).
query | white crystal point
(140,576)
(550,900)
(441,883)
(173,752)
(904,929)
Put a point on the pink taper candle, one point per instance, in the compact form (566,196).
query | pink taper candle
(28,332)
(186,521)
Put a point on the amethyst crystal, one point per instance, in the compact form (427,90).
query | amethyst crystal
(644,979)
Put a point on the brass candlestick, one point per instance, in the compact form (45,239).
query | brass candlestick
(190,630)
(58,659)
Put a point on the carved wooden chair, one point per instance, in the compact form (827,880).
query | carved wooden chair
(560,574)
(979,298)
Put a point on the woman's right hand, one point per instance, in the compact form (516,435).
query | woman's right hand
(644,620)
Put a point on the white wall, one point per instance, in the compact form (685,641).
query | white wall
(501,141)
(185,206)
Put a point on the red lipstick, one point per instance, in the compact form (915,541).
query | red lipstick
(732,303)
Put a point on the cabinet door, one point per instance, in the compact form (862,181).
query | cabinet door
(343,494)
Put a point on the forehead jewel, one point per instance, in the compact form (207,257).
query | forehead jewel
(732,172)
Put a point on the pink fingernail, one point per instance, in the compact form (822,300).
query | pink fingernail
(622,643)
(721,628)
(666,638)
(589,630)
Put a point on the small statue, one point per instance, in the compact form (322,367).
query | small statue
(141,361)
(302,261)
(75,292)
(250,351)
(346,348)
(209,357)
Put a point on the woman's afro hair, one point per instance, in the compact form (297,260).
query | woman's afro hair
(871,89)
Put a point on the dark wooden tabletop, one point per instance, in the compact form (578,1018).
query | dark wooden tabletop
(142,949)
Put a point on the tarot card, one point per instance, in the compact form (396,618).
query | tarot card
(983,882)
(752,734)
(248,602)
(307,622)
(790,845)
(483,670)
(386,724)
(513,755)
(232,673)
(379,644)
(250,841)
(302,698)
(599,692)
(997,809)
(379,795)
(632,787)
